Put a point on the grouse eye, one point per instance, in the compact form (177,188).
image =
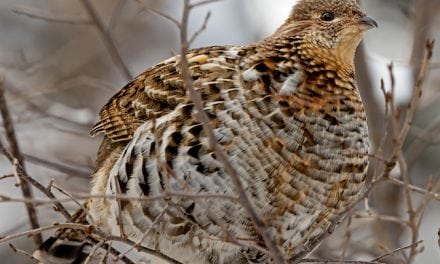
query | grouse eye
(327,16)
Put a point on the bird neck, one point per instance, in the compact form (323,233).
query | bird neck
(310,58)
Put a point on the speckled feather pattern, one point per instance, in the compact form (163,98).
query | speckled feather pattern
(287,113)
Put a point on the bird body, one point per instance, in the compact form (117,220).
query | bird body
(286,112)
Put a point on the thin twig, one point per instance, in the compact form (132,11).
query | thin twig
(108,247)
(204,120)
(205,2)
(396,251)
(93,251)
(21,251)
(144,249)
(24,176)
(324,261)
(104,258)
(380,217)
(7,176)
(66,169)
(18,160)
(115,14)
(424,69)
(107,40)
(158,13)
(61,190)
(15,165)
(50,17)
(347,238)
(146,233)
(201,29)
(416,189)
(122,197)
(38,231)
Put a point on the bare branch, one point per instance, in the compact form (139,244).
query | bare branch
(424,69)
(200,30)
(28,255)
(50,17)
(380,217)
(7,176)
(38,231)
(416,189)
(108,40)
(119,197)
(93,251)
(24,176)
(146,233)
(324,261)
(69,170)
(204,120)
(396,251)
(158,13)
(115,14)
(204,2)
(145,250)
(18,160)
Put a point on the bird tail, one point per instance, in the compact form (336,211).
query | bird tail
(67,245)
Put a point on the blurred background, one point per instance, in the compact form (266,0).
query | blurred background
(57,58)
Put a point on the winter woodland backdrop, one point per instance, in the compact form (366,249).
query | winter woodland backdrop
(59,64)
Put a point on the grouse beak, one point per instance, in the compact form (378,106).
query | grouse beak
(367,23)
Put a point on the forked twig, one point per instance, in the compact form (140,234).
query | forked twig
(50,17)
(38,231)
(107,40)
(24,176)
(21,251)
(204,120)
(396,251)
(17,160)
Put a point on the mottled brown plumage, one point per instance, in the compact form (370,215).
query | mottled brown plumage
(287,113)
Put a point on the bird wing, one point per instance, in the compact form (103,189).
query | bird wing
(152,94)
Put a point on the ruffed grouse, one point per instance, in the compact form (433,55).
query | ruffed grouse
(287,113)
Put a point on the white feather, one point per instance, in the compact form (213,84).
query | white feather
(292,82)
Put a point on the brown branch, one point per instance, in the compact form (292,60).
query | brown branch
(324,261)
(416,189)
(158,13)
(114,252)
(11,137)
(347,238)
(121,197)
(146,233)
(50,17)
(380,217)
(69,170)
(107,40)
(7,176)
(200,30)
(115,14)
(93,251)
(204,2)
(28,255)
(144,249)
(204,120)
(424,69)
(396,251)
(38,231)
(24,176)
(61,190)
